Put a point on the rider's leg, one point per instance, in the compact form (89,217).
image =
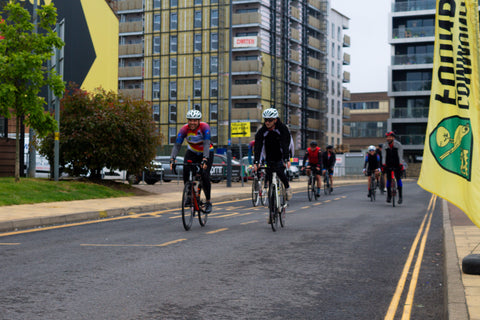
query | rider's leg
(398,175)
(389,182)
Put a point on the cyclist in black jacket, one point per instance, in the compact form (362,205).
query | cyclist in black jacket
(328,160)
(272,141)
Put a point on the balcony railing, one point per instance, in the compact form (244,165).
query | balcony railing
(294,120)
(346,59)
(295,13)
(246,18)
(346,40)
(313,124)
(136,26)
(346,76)
(405,59)
(417,139)
(295,77)
(127,49)
(246,90)
(420,85)
(295,98)
(246,114)
(346,113)
(132,93)
(246,66)
(413,32)
(130,72)
(414,5)
(314,43)
(314,63)
(317,104)
(295,56)
(346,94)
(295,34)
(130,5)
(313,83)
(346,130)
(403,113)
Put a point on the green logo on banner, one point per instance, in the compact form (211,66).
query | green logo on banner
(451,144)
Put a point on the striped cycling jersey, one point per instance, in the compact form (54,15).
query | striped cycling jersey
(195,138)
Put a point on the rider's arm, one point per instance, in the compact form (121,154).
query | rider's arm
(400,152)
(305,157)
(285,139)
(257,149)
(178,142)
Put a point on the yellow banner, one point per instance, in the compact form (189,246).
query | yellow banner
(451,167)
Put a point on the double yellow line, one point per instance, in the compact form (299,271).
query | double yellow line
(407,308)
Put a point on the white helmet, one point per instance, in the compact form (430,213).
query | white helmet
(371,148)
(271,113)
(194,114)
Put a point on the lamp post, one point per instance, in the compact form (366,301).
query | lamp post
(229,142)
(32,153)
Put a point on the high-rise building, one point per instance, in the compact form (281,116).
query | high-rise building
(336,78)
(412,35)
(177,55)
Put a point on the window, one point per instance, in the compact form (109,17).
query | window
(172,135)
(245,105)
(156,45)
(339,33)
(197,65)
(213,88)
(173,90)
(156,112)
(197,42)
(198,2)
(197,106)
(214,41)
(173,3)
(156,22)
(333,50)
(213,64)
(213,134)
(333,30)
(214,18)
(173,43)
(245,81)
(197,23)
(245,58)
(172,111)
(156,67)
(197,88)
(156,90)
(332,70)
(213,111)
(173,66)
(157,4)
(173,21)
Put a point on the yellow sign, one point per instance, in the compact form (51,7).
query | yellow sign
(240,129)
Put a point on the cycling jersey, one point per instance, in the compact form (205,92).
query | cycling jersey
(198,140)
(329,160)
(372,162)
(313,156)
(392,154)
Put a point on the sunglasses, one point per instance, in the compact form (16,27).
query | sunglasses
(269,120)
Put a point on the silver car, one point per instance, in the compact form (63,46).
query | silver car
(168,174)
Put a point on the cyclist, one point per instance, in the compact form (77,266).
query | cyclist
(392,159)
(328,162)
(273,141)
(199,150)
(372,166)
(314,157)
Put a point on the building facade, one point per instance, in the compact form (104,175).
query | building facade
(176,54)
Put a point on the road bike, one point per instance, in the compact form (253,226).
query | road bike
(393,186)
(193,197)
(373,185)
(327,180)
(277,202)
(259,190)
(312,185)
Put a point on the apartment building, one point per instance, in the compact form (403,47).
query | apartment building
(412,36)
(176,54)
(336,78)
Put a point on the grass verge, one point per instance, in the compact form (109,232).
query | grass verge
(29,190)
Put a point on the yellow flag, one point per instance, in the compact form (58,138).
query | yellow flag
(451,158)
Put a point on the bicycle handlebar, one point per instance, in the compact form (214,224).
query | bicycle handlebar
(188,164)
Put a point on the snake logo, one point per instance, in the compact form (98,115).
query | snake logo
(451,144)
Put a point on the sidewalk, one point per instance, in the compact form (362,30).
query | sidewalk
(461,236)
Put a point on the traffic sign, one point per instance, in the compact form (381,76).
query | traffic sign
(240,129)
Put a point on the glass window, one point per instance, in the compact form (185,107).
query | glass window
(173,90)
(173,66)
(339,33)
(172,134)
(156,67)
(157,4)
(173,3)
(156,90)
(156,112)
(156,45)
(198,42)
(173,43)
(172,111)
(156,22)
(214,41)
(213,64)
(198,2)
(333,30)
(197,106)
(198,19)
(213,88)
(173,21)
(213,111)
(214,18)
(197,88)
(197,65)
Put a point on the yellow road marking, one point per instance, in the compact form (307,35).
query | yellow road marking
(326,201)
(392,309)
(337,199)
(216,231)
(227,215)
(249,222)
(132,245)
(316,204)
(10,244)
(305,207)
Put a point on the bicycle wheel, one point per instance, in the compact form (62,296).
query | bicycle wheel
(282,208)
(188,209)
(314,187)
(326,185)
(255,192)
(373,188)
(202,201)
(394,190)
(310,188)
(272,204)
(263,193)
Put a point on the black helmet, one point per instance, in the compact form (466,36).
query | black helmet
(380,145)
(313,143)
(329,147)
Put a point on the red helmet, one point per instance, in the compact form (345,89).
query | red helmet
(390,133)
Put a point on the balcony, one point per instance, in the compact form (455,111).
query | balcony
(319,5)
(346,94)
(406,59)
(313,83)
(413,32)
(246,90)
(315,43)
(414,5)
(420,85)
(346,59)
(295,77)
(346,130)
(128,27)
(313,124)
(294,120)
(295,13)
(130,5)
(295,56)
(130,49)
(405,113)
(247,66)
(132,93)
(314,63)
(253,114)
(346,77)
(130,72)
(295,98)
(316,104)
(316,24)
(346,113)
(295,34)
(246,18)
(346,40)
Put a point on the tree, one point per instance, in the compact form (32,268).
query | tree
(23,54)
(101,129)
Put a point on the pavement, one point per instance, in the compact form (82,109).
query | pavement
(461,236)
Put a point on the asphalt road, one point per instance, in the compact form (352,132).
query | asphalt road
(341,257)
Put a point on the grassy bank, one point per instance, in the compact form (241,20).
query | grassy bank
(42,190)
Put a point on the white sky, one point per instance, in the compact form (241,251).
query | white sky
(369,48)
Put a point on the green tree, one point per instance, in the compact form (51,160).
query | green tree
(23,54)
(101,129)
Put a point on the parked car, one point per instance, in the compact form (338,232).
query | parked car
(293,172)
(219,169)
(168,174)
(150,175)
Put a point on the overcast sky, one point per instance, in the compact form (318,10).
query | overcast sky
(369,49)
